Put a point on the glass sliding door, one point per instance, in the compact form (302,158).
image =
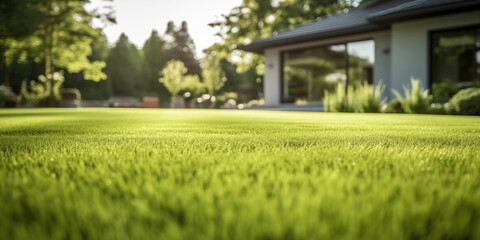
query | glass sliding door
(307,73)
(361,58)
(477,53)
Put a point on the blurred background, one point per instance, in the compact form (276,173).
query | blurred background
(103,53)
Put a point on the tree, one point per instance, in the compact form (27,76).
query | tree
(90,89)
(213,75)
(176,80)
(173,76)
(155,56)
(180,46)
(18,19)
(247,85)
(123,67)
(62,40)
(255,19)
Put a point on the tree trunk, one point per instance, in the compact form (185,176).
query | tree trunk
(4,69)
(48,44)
(48,60)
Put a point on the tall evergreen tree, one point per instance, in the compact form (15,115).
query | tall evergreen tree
(123,68)
(156,58)
(181,47)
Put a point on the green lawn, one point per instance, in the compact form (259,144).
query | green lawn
(213,174)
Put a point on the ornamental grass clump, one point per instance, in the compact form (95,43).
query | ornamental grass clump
(416,100)
(364,98)
(369,98)
(340,100)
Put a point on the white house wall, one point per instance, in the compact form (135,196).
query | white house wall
(381,70)
(410,45)
(271,82)
(271,79)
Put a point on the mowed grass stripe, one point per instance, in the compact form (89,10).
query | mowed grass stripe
(218,174)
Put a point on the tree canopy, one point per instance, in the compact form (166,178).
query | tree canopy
(213,75)
(181,47)
(156,58)
(58,35)
(173,76)
(123,67)
(255,19)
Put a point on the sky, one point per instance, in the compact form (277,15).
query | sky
(137,18)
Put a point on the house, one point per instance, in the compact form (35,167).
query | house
(387,41)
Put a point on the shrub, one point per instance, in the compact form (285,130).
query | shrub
(224,97)
(394,107)
(45,93)
(417,100)
(443,91)
(437,108)
(466,101)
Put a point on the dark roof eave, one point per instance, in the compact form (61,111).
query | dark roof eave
(411,14)
(258,46)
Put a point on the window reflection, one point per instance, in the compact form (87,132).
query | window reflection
(360,62)
(308,73)
(456,56)
(477,44)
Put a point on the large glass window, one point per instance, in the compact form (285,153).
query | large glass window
(360,62)
(309,72)
(456,56)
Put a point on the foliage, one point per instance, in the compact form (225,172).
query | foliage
(45,92)
(192,85)
(209,174)
(64,37)
(248,85)
(156,58)
(255,19)
(437,108)
(394,106)
(340,100)
(443,91)
(361,98)
(369,98)
(417,100)
(180,46)
(174,78)
(55,34)
(221,99)
(213,75)
(466,102)
(18,20)
(123,68)
(92,90)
